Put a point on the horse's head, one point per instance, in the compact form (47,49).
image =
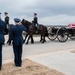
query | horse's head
(26,23)
(23,22)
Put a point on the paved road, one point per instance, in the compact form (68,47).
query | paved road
(62,61)
(53,54)
(38,48)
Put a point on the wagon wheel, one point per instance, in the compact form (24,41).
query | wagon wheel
(52,36)
(62,34)
(72,36)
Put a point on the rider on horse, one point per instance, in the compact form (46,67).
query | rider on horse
(6,19)
(35,21)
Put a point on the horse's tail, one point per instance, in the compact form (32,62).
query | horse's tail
(46,33)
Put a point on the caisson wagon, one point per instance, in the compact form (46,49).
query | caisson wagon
(62,33)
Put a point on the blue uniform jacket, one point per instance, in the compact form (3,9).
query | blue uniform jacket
(2,25)
(16,34)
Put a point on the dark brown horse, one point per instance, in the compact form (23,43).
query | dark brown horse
(42,30)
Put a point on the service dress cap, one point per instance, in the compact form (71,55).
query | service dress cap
(17,20)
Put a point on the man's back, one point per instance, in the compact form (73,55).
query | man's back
(16,34)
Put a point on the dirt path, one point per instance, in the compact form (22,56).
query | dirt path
(28,68)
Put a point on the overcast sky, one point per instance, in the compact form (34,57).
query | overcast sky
(50,12)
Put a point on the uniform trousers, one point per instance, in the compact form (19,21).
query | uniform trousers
(17,49)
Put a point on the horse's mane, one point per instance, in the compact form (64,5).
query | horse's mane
(27,21)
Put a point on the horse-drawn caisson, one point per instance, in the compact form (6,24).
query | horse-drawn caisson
(62,33)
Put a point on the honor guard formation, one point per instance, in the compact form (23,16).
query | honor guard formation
(14,31)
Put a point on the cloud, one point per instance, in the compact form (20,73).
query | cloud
(49,11)
(57,20)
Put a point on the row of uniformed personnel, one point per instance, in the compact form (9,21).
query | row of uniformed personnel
(15,35)
(35,19)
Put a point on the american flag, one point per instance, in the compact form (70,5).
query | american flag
(72,25)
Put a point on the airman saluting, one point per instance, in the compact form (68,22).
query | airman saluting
(15,35)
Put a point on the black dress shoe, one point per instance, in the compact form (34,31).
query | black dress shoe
(19,65)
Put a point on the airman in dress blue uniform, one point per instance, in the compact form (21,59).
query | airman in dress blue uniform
(2,25)
(15,35)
